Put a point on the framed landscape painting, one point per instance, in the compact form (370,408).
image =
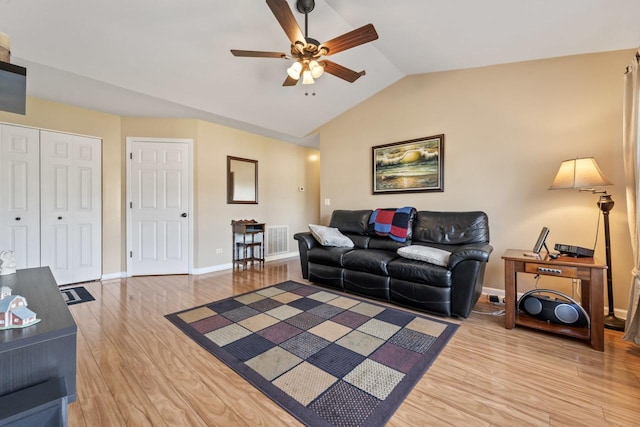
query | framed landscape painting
(414,165)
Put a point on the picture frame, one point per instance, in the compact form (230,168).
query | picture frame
(416,165)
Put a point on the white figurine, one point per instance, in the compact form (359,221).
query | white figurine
(7,263)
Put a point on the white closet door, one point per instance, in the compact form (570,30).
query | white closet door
(159,208)
(71,206)
(19,194)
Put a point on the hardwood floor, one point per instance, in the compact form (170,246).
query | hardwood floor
(135,368)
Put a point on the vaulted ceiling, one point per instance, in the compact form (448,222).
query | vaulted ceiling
(169,58)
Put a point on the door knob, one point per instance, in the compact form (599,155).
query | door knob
(59,217)
(18,218)
(184,215)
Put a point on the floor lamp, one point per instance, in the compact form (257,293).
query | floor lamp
(584,174)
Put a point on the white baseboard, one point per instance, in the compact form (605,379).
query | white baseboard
(622,314)
(211,269)
(494,291)
(196,271)
(113,276)
(283,256)
(205,270)
(222,267)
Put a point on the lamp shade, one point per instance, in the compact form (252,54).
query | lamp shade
(316,69)
(307,78)
(295,70)
(579,173)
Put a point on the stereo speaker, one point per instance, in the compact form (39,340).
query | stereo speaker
(561,309)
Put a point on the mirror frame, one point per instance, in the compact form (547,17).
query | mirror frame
(230,181)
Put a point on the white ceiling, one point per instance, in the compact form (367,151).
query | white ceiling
(170,58)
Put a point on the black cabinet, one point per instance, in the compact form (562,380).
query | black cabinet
(44,351)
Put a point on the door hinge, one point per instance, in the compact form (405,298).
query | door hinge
(130,254)
(130,156)
(131,205)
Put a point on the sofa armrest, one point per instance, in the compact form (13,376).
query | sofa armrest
(306,242)
(469,252)
(467,264)
(307,239)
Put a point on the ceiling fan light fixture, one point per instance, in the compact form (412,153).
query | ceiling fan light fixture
(307,78)
(295,70)
(316,69)
(307,52)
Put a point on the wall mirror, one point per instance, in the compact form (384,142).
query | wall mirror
(242,180)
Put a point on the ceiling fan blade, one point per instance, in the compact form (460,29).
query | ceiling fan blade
(342,72)
(259,54)
(284,15)
(351,39)
(290,81)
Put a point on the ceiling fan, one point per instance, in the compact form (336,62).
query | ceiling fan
(308,52)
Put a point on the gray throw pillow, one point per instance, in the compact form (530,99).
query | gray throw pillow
(425,253)
(328,236)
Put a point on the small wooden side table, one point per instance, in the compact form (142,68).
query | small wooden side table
(247,249)
(589,271)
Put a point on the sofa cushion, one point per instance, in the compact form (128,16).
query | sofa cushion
(372,261)
(360,242)
(451,228)
(328,236)
(327,255)
(421,296)
(385,244)
(425,253)
(371,285)
(351,222)
(326,274)
(420,272)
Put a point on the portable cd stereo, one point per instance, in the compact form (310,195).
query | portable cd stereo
(563,309)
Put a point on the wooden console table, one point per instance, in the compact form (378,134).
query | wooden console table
(589,271)
(38,361)
(246,248)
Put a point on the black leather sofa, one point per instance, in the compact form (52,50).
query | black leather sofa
(373,268)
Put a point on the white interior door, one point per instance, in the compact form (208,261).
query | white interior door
(71,206)
(19,194)
(159,208)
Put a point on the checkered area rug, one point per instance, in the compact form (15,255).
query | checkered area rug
(328,359)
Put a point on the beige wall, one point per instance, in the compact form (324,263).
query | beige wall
(507,128)
(283,168)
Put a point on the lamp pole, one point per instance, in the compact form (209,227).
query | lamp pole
(605,203)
